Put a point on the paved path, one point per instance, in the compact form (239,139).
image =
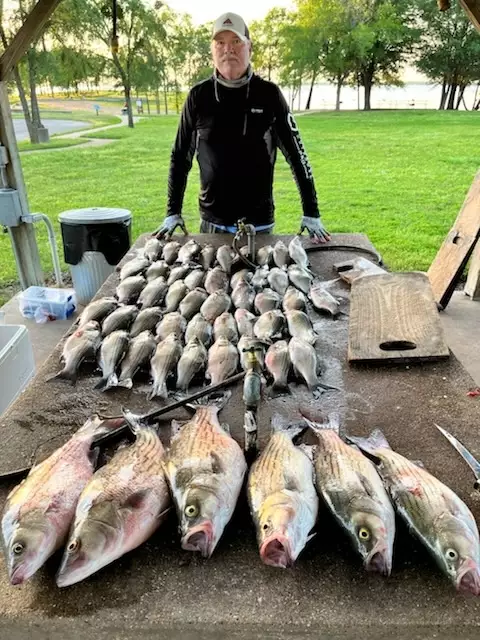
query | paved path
(53,126)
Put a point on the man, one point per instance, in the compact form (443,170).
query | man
(235,121)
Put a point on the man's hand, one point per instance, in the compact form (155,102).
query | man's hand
(315,228)
(169,225)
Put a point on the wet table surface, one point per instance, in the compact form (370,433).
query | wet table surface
(160,587)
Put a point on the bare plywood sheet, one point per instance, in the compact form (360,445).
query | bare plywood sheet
(349,270)
(453,255)
(394,318)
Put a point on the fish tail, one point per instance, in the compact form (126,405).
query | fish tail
(65,374)
(333,423)
(96,426)
(132,421)
(101,384)
(112,381)
(126,382)
(376,440)
(282,424)
(159,390)
(217,400)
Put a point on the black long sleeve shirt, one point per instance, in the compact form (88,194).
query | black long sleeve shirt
(236,132)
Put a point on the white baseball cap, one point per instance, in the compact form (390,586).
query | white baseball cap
(231,22)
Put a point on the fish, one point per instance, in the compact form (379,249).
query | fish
(245,345)
(216,280)
(243,296)
(119,509)
(278,280)
(260,278)
(277,361)
(252,388)
(304,360)
(300,326)
(192,302)
(269,325)
(129,289)
(146,320)
(38,512)
(153,294)
(199,328)
(178,273)
(164,361)
(300,278)
(157,269)
(170,251)
(82,344)
(172,322)
(297,252)
(280,254)
(245,322)
(189,251)
(176,293)
(432,511)
(282,497)
(323,300)
(225,256)
(243,274)
(222,360)
(207,256)
(121,318)
(265,255)
(152,249)
(216,303)
(267,300)
(294,299)
(225,326)
(134,267)
(195,278)
(97,310)
(112,351)
(192,361)
(140,352)
(205,469)
(354,493)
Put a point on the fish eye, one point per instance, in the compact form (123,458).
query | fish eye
(451,554)
(74,545)
(364,534)
(191,510)
(18,548)
(265,527)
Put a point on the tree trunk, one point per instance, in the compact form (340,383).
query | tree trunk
(461,91)
(309,99)
(127,88)
(165,98)
(368,93)
(339,90)
(32,69)
(148,103)
(443,98)
(157,99)
(451,95)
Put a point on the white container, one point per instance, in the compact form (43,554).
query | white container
(56,304)
(17,365)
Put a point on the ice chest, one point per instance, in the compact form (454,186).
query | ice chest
(60,303)
(17,365)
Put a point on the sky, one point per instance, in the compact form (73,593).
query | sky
(209,10)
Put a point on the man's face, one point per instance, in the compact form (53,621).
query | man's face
(231,55)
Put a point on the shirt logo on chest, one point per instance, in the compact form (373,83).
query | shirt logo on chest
(256,110)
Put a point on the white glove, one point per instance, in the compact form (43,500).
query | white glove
(169,225)
(315,229)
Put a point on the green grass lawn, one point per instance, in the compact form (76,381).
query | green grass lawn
(399,177)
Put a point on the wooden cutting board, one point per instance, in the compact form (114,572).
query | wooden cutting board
(394,318)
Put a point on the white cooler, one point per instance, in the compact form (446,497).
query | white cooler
(17,365)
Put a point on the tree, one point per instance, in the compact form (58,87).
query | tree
(267,38)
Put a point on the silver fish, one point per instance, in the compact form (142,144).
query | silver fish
(129,289)
(178,273)
(225,257)
(164,361)
(121,318)
(207,256)
(243,296)
(216,280)
(300,277)
(80,345)
(156,269)
(222,360)
(245,322)
(216,303)
(269,325)
(435,514)
(278,280)
(192,302)
(97,310)
(323,300)
(297,252)
(195,279)
(280,254)
(170,251)
(153,294)
(277,361)
(199,328)
(245,346)
(294,299)
(140,352)
(267,300)
(265,255)
(172,322)
(260,278)
(353,491)
(300,326)
(243,274)
(282,498)
(188,251)
(192,360)
(225,326)
(304,361)
(176,293)
(152,249)
(112,352)
(134,267)
(146,320)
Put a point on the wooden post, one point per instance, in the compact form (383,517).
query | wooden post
(472,9)
(23,238)
(472,286)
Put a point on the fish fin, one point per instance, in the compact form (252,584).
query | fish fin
(132,420)
(64,374)
(94,455)
(333,422)
(281,424)
(160,391)
(226,427)
(217,465)
(96,426)
(112,381)
(376,440)
(136,500)
(126,382)
(165,512)
(101,384)
(219,400)
(310,536)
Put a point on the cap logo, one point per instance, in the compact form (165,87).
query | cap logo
(227,21)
